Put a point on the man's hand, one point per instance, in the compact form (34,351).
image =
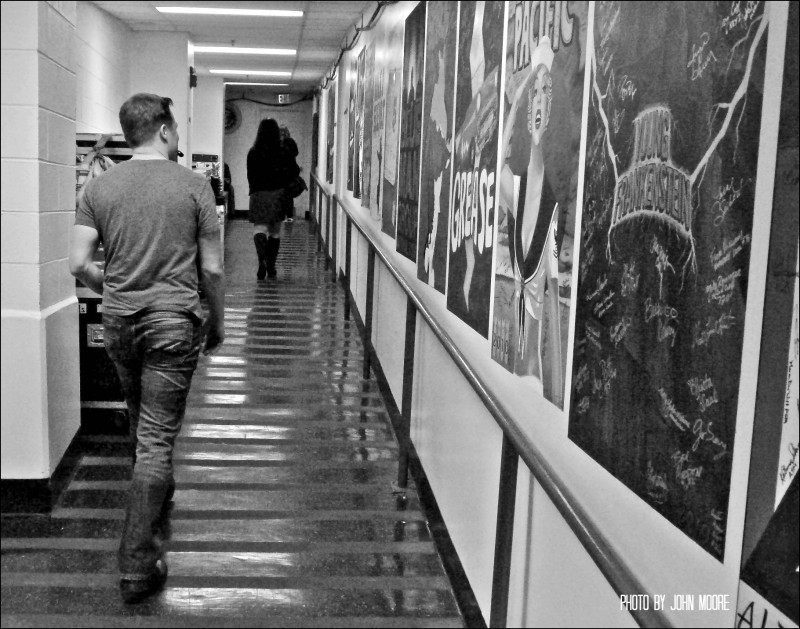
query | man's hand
(214,337)
(83,245)
(210,251)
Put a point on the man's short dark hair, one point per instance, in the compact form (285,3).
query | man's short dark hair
(142,115)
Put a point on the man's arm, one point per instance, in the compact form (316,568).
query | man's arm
(210,250)
(81,253)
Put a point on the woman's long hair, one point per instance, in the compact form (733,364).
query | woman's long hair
(268,138)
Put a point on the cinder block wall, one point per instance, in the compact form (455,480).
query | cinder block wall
(40,405)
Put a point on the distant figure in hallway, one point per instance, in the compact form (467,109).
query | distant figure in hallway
(291,147)
(154,218)
(227,186)
(270,170)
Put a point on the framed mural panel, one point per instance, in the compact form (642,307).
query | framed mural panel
(672,147)
(330,131)
(378,128)
(391,144)
(441,46)
(352,143)
(369,98)
(411,132)
(312,193)
(538,191)
(474,193)
(358,157)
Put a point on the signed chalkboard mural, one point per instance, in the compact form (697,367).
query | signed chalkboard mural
(411,132)
(369,98)
(330,132)
(378,124)
(391,143)
(352,79)
(437,144)
(473,197)
(538,191)
(671,154)
(358,157)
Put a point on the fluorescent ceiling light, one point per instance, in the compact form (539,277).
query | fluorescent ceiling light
(239,12)
(232,50)
(254,72)
(268,84)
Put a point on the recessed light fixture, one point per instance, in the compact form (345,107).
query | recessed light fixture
(267,84)
(232,50)
(253,72)
(239,12)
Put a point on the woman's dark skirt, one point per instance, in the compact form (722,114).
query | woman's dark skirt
(267,206)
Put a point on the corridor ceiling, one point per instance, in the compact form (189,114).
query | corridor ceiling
(316,36)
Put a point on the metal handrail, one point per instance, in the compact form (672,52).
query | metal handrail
(611,565)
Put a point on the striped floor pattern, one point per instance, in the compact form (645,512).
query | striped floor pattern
(284,513)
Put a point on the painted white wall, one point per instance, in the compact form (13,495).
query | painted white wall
(40,405)
(161,66)
(388,328)
(460,451)
(103,68)
(208,121)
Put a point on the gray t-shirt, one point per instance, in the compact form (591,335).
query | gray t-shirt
(149,215)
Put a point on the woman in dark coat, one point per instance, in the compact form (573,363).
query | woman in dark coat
(270,168)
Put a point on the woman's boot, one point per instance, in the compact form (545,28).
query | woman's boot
(272,246)
(262,246)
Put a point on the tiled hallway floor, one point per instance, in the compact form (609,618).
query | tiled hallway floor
(284,512)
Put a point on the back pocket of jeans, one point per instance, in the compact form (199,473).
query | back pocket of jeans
(171,336)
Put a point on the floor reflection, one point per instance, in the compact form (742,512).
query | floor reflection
(283,508)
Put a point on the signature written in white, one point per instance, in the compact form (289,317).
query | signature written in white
(701,57)
(627,89)
(604,305)
(657,487)
(593,336)
(704,432)
(717,518)
(724,200)
(722,288)
(586,262)
(668,411)
(741,13)
(665,332)
(704,392)
(687,475)
(618,331)
(713,327)
(601,284)
(581,377)
(789,469)
(608,373)
(729,249)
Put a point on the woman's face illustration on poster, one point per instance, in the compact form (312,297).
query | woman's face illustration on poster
(540,95)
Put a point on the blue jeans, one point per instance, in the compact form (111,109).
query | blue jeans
(155,353)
